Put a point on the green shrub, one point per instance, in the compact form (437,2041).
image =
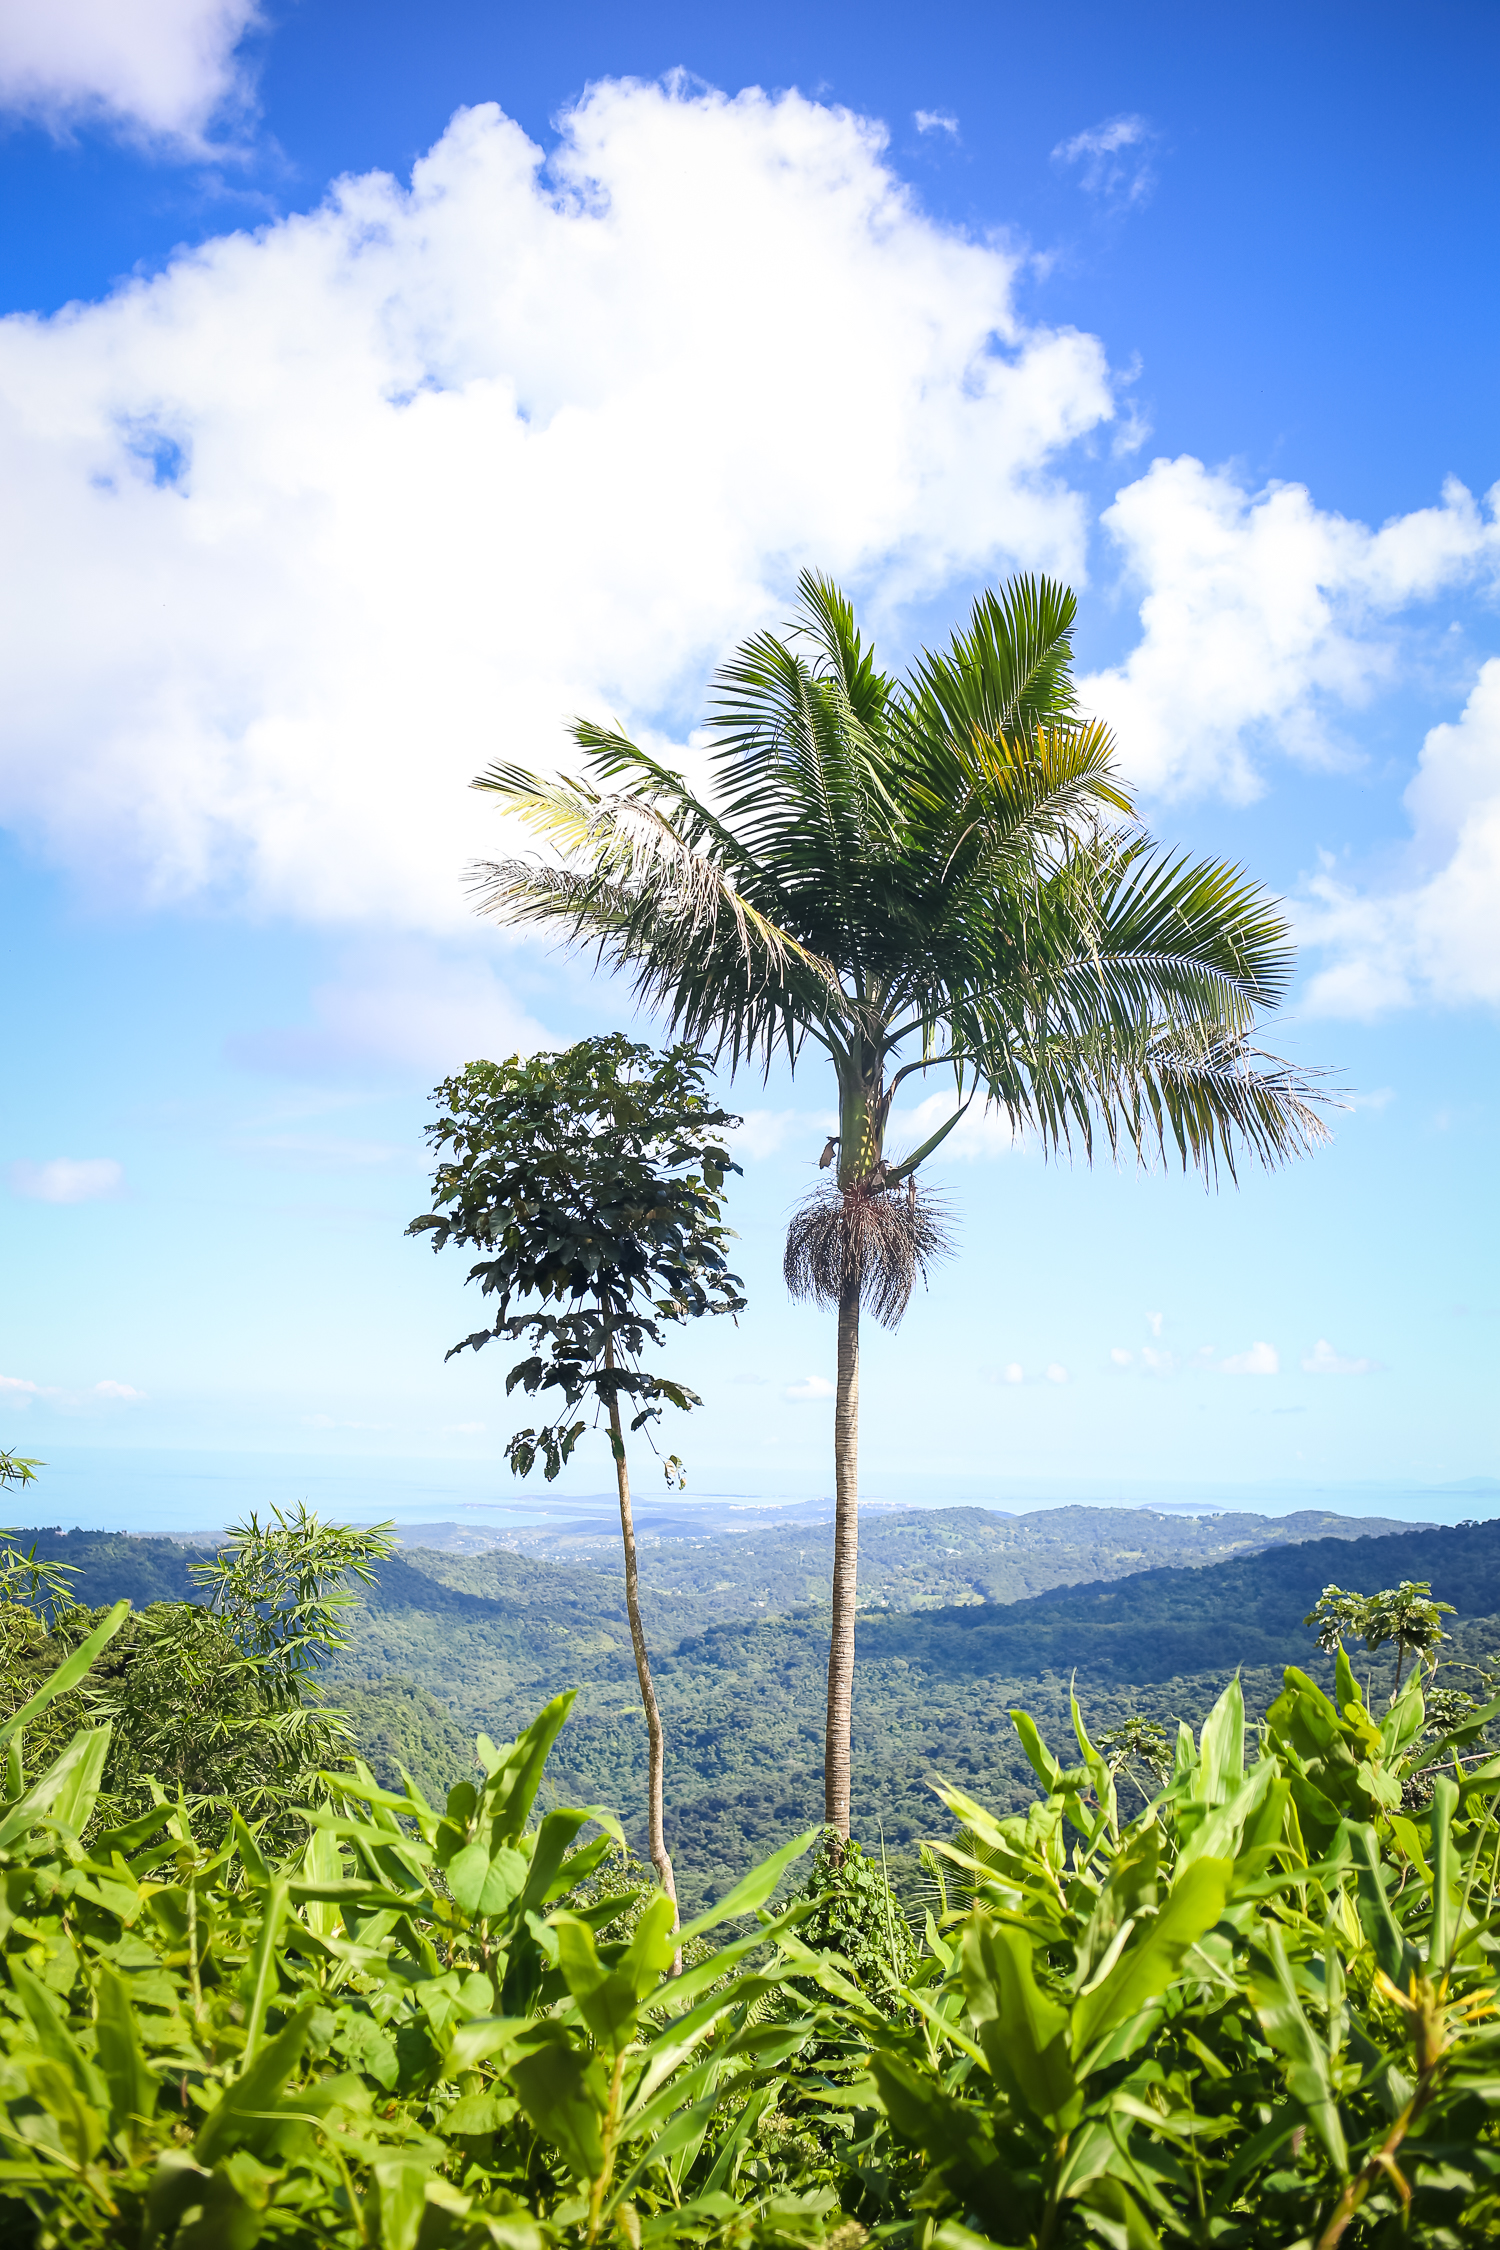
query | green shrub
(1260,2013)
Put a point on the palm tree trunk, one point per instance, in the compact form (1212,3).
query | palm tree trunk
(655,1740)
(845,1566)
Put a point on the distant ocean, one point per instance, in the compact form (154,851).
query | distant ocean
(162,1491)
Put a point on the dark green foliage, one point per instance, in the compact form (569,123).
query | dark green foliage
(1405,1615)
(853,1912)
(490,1637)
(414,2027)
(590,1181)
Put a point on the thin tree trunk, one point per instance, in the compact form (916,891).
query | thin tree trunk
(845,1566)
(655,1740)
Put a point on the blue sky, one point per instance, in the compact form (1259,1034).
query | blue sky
(330,479)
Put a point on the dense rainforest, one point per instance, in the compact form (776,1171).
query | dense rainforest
(444,1644)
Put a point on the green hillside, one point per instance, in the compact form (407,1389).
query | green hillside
(918,1558)
(448,1643)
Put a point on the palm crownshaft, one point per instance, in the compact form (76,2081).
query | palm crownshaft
(940,871)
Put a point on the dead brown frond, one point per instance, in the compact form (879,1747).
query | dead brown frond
(878,1239)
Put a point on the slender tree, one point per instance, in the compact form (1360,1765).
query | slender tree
(1405,1614)
(944,871)
(591,1183)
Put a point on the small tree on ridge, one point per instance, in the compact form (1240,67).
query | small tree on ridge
(590,1181)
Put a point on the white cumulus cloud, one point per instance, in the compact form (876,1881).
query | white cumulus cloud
(1264,618)
(1056,1372)
(68,1179)
(1014,1373)
(935,121)
(1433,933)
(1261,1359)
(1324,1360)
(980,1131)
(124,1391)
(811,1386)
(357,503)
(765,1132)
(162,69)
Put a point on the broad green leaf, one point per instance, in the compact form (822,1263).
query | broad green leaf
(1221,1748)
(1129,1891)
(477,2113)
(1146,1967)
(1218,1834)
(651,1950)
(566,2096)
(1386,1938)
(552,1840)
(1043,1764)
(70,1785)
(1117,2217)
(79,2123)
(1400,1727)
(401,2199)
(480,2037)
(922,2112)
(237,2119)
(132,1834)
(510,1789)
(1099,1774)
(1444,1876)
(121,2057)
(1346,1688)
(1303,2052)
(252,1858)
(54,2037)
(1024,2034)
(483,1885)
(606,2001)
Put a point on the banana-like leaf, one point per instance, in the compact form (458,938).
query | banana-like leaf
(1304,2055)
(133,2088)
(1023,2032)
(1143,1970)
(566,2096)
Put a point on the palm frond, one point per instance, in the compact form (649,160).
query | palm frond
(826,617)
(1010,672)
(953,856)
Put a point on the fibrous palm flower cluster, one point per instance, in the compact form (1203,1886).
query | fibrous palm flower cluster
(870,1236)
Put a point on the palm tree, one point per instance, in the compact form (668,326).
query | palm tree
(937,871)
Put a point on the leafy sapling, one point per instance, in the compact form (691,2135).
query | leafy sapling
(591,1184)
(1405,1614)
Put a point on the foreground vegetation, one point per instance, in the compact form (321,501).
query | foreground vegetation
(1259,2011)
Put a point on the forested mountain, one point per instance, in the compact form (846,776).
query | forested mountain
(916,1558)
(448,1643)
